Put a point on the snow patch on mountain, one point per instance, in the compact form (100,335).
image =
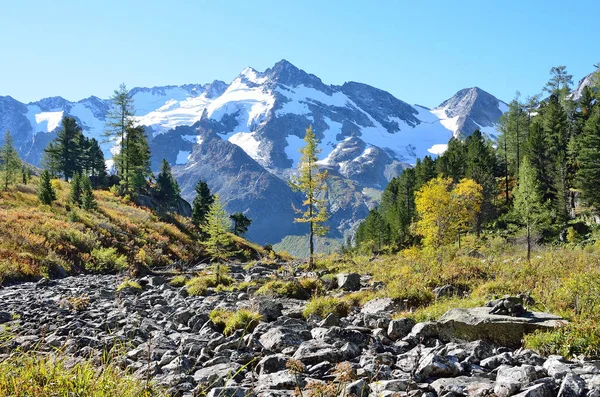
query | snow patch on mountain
(292,149)
(183,157)
(43,121)
(248,142)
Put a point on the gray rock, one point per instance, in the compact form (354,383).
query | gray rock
(557,367)
(348,281)
(541,390)
(424,331)
(5,317)
(477,323)
(272,363)
(268,307)
(316,351)
(279,380)
(498,360)
(572,386)
(358,388)
(399,328)
(522,375)
(433,365)
(279,338)
(379,305)
(506,389)
(230,392)
(218,374)
(467,385)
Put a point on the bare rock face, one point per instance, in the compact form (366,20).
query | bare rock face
(478,323)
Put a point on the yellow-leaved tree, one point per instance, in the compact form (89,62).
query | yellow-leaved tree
(311,182)
(444,211)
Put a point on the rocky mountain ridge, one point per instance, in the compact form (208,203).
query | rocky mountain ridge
(367,136)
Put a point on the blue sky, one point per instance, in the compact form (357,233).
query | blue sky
(421,52)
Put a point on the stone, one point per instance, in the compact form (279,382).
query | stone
(269,308)
(393,385)
(434,365)
(279,380)
(272,363)
(506,389)
(498,360)
(333,334)
(5,317)
(218,374)
(357,388)
(556,367)
(467,385)
(541,390)
(279,338)
(348,281)
(399,328)
(423,331)
(379,305)
(572,386)
(313,352)
(230,392)
(477,323)
(523,375)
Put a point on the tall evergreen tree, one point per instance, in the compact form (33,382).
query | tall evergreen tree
(167,189)
(528,201)
(10,163)
(560,82)
(119,125)
(88,201)
(201,203)
(137,160)
(453,162)
(46,192)
(480,167)
(424,171)
(311,182)
(241,223)
(76,190)
(588,175)
(64,154)
(514,128)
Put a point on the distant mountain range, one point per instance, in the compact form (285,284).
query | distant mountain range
(243,138)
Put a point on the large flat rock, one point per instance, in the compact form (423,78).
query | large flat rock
(477,323)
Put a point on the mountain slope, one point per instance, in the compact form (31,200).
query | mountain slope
(243,137)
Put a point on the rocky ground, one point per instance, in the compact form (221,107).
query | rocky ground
(165,334)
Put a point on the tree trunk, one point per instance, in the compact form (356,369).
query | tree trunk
(528,243)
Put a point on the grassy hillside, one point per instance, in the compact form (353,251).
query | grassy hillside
(39,240)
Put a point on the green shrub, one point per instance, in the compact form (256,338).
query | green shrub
(289,289)
(570,340)
(231,321)
(178,281)
(107,260)
(199,285)
(322,306)
(129,284)
(311,284)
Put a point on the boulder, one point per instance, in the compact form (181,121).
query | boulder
(399,328)
(217,374)
(540,390)
(466,385)
(279,338)
(572,386)
(230,392)
(379,305)
(522,375)
(478,323)
(316,351)
(348,281)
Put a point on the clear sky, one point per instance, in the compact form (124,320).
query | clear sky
(420,51)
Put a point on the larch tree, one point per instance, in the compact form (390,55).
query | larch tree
(64,154)
(10,162)
(218,241)
(312,184)
(443,213)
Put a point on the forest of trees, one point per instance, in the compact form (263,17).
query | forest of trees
(540,178)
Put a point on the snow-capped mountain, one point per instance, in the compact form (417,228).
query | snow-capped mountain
(243,137)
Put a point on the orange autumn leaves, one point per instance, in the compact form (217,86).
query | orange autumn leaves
(444,210)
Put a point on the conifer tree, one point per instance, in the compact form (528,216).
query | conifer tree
(76,190)
(201,203)
(424,171)
(241,223)
(167,189)
(88,201)
(64,154)
(480,167)
(119,123)
(46,192)
(216,228)
(311,183)
(10,162)
(528,203)
(136,155)
(588,175)
(453,162)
